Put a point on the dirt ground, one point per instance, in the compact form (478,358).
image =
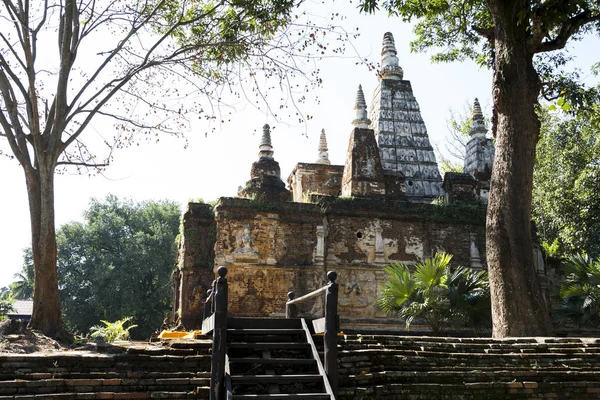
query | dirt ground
(15,338)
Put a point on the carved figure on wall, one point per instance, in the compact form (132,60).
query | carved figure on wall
(320,250)
(245,252)
(379,251)
(475,257)
(353,294)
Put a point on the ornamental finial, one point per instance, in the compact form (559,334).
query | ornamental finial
(478,127)
(265,148)
(323,155)
(362,120)
(390,68)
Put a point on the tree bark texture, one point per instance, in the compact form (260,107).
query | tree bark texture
(518,306)
(40,188)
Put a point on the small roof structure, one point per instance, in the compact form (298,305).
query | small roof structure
(22,310)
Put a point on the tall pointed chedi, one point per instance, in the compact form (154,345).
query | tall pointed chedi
(323,155)
(265,182)
(400,131)
(479,155)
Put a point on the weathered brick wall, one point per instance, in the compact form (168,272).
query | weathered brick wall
(193,273)
(308,179)
(272,249)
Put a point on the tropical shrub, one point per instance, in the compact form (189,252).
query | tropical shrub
(112,331)
(437,295)
(580,292)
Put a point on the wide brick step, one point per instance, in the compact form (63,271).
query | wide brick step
(437,358)
(106,375)
(52,385)
(469,340)
(455,377)
(81,363)
(469,349)
(475,391)
(111,395)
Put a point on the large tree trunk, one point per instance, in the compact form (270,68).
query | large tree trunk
(46,308)
(518,306)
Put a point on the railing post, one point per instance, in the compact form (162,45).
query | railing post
(217,373)
(207,305)
(331,329)
(291,310)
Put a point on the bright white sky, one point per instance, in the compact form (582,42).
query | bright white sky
(216,165)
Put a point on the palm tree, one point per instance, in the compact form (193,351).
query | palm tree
(442,298)
(580,292)
(22,287)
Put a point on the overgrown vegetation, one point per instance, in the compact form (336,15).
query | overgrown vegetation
(580,293)
(462,212)
(112,331)
(441,297)
(6,303)
(116,263)
(566,205)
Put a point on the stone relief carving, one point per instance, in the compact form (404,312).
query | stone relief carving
(475,256)
(354,297)
(245,252)
(320,249)
(379,250)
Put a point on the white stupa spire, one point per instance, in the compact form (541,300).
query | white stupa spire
(265,148)
(323,155)
(362,120)
(390,68)
(478,127)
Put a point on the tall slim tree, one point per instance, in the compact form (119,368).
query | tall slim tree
(64,63)
(521,40)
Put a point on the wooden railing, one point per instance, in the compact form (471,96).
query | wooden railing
(329,324)
(216,322)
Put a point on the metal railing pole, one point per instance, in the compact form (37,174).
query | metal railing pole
(291,310)
(217,373)
(207,305)
(331,329)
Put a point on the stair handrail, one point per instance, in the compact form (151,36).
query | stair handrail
(315,353)
(219,329)
(228,386)
(207,312)
(331,324)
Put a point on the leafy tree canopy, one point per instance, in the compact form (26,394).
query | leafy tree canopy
(118,263)
(566,206)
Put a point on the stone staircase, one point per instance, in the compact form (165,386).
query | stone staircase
(274,359)
(180,370)
(404,367)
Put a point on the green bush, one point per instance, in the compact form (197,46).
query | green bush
(112,331)
(441,297)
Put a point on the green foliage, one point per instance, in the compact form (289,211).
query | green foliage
(22,287)
(447,165)
(442,298)
(464,212)
(6,302)
(566,205)
(112,331)
(580,292)
(118,263)
(552,249)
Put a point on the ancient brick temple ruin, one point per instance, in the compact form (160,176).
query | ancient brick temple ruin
(387,204)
